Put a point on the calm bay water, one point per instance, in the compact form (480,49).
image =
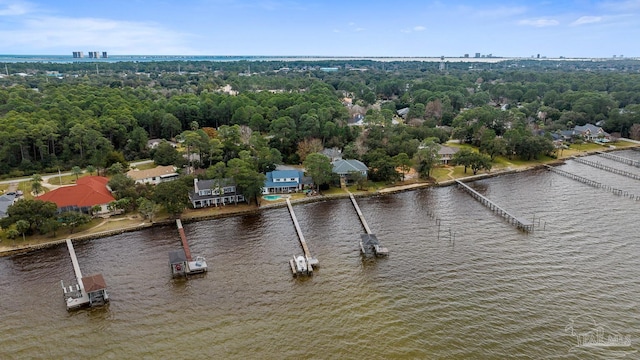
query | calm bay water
(473,287)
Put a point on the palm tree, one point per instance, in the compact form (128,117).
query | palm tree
(36,184)
(76,171)
(90,169)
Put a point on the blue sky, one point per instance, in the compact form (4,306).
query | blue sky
(580,28)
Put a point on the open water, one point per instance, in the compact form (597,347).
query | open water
(472,287)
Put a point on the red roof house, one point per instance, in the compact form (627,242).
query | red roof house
(88,192)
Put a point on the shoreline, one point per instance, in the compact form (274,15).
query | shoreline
(9,250)
(191,218)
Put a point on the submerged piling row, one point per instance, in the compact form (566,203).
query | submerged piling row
(600,166)
(521,224)
(620,159)
(593,183)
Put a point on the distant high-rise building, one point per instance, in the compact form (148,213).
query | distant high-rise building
(78,54)
(104,54)
(93,54)
(477,55)
(466,55)
(538,56)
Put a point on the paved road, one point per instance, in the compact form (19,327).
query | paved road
(46,177)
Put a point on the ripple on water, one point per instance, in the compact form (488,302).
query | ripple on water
(472,287)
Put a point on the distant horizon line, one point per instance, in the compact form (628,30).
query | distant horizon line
(483,56)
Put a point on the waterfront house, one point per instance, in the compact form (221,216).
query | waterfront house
(345,167)
(214,192)
(88,192)
(445,154)
(284,181)
(154,176)
(591,132)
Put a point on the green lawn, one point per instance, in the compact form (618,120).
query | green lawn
(65,179)
(145,166)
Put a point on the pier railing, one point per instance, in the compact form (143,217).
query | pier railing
(520,223)
(610,169)
(620,159)
(593,183)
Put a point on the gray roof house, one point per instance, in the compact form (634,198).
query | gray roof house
(214,192)
(6,200)
(590,132)
(445,153)
(345,167)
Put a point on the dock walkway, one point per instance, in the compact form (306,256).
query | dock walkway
(310,261)
(305,248)
(620,159)
(610,169)
(520,223)
(88,291)
(369,244)
(183,237)
(593,183)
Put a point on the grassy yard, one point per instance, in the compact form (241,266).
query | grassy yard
(146,166)
(65,179)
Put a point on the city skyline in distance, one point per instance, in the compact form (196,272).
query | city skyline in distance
(570,29)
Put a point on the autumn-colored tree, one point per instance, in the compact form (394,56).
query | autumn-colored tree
(308,146)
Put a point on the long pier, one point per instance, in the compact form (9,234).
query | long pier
(183,237)
(593,183)
(369,244)
(610,169)
(362,220)
(301,264)
(76,266)
(620,159)
(520,223)
(181,262)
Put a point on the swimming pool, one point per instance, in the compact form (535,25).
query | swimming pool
(272,197)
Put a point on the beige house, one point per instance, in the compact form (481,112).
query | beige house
(153,176)
(445,154)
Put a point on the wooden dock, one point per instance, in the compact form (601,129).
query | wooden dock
(181,262)
(301,265)
(610,169)
(619,159)
(593,183)
(369,244)
(88,290)
(520,223)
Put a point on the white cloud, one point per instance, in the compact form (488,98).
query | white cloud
(415,28)
(539,22)
(13,8)
(121,37)
(587,20)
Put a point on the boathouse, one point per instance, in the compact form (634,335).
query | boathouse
(96,289)
(178,262)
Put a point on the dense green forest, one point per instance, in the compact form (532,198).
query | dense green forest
(63,115)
